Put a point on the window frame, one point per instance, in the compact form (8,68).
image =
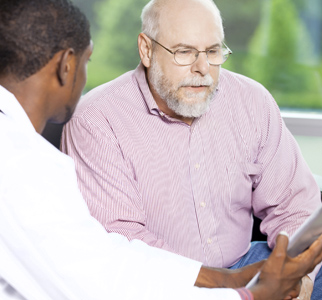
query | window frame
(303,123)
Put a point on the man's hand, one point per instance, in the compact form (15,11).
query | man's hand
(225,278)
(306,288)
(281,274)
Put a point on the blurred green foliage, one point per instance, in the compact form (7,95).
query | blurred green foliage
(269,38)
(115,40)
(281,57)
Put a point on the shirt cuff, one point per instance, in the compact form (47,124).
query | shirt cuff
(245,294)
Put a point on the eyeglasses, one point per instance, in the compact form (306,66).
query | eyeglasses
(187,56)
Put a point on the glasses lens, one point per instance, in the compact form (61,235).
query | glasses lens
(217,56)
(186,56)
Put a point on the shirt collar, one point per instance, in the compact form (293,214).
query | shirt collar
(10,107)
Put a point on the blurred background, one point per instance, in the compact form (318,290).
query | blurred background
(276,42)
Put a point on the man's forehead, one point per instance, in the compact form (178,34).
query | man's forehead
(192,24)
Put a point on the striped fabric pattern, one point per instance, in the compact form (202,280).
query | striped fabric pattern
(189,189)
(245,294)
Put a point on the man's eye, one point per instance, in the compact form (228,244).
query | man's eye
(213,52)
(184,51)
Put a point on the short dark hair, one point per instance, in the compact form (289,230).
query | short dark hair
(33,31)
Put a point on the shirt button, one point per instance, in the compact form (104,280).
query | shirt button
(209,241)
(203,204)
(197,166)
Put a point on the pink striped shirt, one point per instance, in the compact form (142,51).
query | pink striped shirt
(189,189)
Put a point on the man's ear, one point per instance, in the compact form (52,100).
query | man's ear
(65,61)
(145,49)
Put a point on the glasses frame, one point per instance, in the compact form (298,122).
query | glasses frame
(204,51)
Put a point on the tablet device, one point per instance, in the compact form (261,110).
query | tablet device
(304,236)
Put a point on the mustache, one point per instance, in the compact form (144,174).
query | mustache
(197,81)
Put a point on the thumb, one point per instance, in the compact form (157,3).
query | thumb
(279,253)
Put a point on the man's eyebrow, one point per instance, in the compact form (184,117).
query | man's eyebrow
(182,45)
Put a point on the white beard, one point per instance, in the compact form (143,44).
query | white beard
(190,104)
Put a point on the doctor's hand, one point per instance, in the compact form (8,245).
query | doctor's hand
(281,274)
(226,278)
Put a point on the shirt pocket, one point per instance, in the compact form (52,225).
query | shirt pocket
(242,176)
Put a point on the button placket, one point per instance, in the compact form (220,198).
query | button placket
(200,189)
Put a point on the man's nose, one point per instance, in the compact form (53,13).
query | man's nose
(201,65)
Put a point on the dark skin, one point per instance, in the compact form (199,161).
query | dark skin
(225,278)
(280,274)
(45,95)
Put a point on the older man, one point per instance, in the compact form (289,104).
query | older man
(180,152)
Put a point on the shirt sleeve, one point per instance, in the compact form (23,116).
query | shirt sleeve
(285,194)
(108,185)
(48,234)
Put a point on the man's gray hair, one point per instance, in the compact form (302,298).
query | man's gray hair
(151,15)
